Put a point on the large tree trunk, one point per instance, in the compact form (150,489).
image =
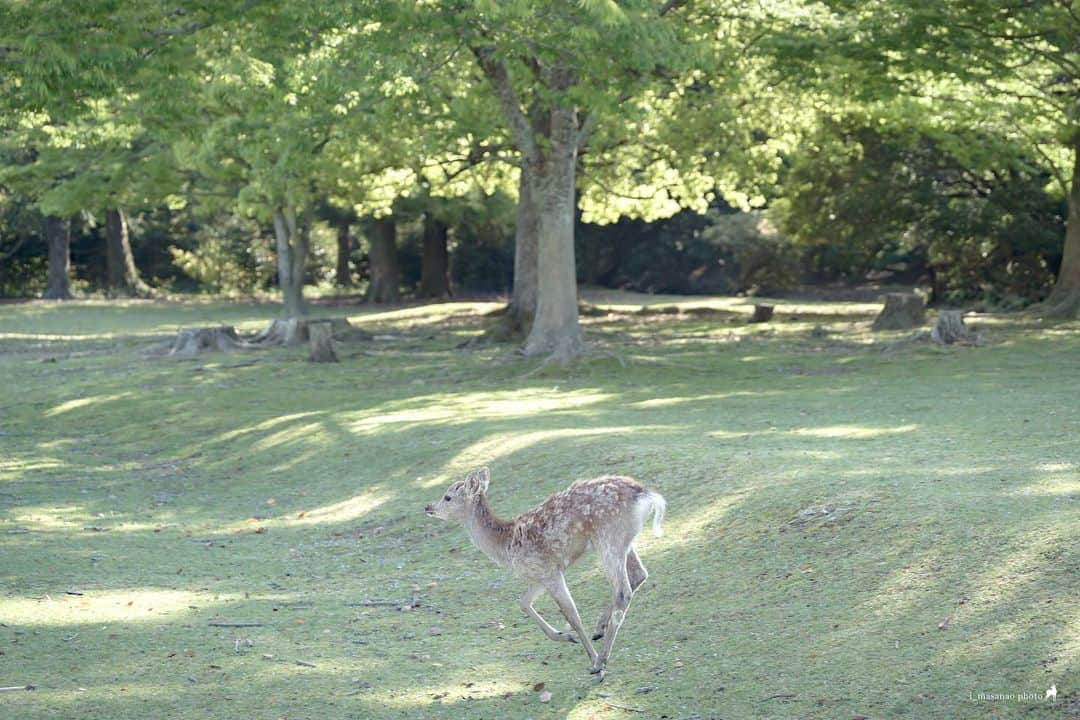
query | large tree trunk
(121,274)
(385,283)
(555,329)
(435,265)
(58,236)
(344,250)
(523,301)
(1064,300)
(292,249)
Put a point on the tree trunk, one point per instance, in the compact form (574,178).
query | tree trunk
(523,301)
(344,250)
(121,274)
(385,282)
(1064,300)
(555,329)
(58,236)
(435,267)
(292,242)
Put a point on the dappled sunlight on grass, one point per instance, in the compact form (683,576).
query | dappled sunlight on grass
(468,407)
(106,606)
(348,510)
(269,424)
(630,302)
(695,526)
(673,401)
(85,402)
(432,696)
(18,468)
(307,433)
(853,432)
(499,445)
(51,518)
(428,313)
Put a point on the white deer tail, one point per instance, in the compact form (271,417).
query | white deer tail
(658,506)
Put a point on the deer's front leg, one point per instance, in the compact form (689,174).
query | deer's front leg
(526,601)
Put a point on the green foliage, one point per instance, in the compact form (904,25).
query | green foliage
(871,204)
(232,256)
(722,251)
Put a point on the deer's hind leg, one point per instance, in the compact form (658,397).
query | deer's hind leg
(615,567)
(636,574)
(561,594)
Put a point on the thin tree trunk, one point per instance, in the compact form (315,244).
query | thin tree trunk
(1064,300)
(435,265)
(522,309)
(555,330)
(344,250)
(121,273)
(291,260)
(58,236)
(385,282)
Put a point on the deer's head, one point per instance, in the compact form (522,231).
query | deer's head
(458,500)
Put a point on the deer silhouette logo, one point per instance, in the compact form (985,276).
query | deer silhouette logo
(1051,694)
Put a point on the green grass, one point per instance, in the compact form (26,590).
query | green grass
(262,488)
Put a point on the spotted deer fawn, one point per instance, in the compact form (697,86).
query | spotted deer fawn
(605,513)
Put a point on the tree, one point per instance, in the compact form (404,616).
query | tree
(550,67)
(1010,70)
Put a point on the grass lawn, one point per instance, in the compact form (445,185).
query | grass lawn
(853,529)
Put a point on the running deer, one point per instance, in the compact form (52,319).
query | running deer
(604,513)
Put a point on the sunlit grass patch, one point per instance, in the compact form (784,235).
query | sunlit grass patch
(113,606)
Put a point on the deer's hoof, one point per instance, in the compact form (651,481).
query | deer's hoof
(571,638)
(599,673)
(597,636)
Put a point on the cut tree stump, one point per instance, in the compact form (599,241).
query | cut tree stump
(288,332)
(321,335)
(902,311)
(297,331)
(762,313)
(194,341)
(950,329)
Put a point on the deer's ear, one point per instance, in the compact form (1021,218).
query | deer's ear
(477,481)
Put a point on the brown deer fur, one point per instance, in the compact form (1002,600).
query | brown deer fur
(604,514)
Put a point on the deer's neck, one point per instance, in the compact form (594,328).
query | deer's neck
(488,532)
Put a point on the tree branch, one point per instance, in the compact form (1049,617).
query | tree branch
(671,5)
(499,76)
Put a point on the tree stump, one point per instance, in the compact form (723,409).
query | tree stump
(762,313)
(902,311)
(288,332)
(194,341)
(950,329)
(297,331)
(321,336)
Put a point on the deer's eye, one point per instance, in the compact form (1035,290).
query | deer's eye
(447,498)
